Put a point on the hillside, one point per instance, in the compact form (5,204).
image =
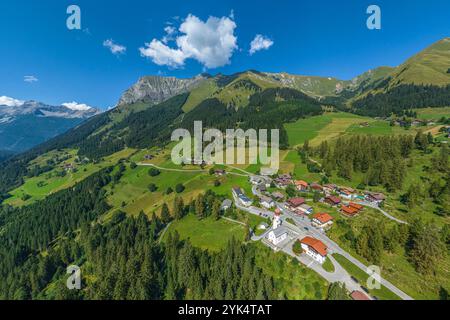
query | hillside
(422,81)
(429,67)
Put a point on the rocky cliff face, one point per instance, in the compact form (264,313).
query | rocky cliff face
(155,90)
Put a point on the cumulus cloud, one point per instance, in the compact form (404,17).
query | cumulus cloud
(211,42)
(170,32)
(30,79)
(10,102)
(260,43)
(77,106)
(114,47)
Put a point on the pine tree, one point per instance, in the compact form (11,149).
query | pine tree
(165,214)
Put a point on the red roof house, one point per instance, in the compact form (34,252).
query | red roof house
(315,248)
(333,201)
(349,211)
(296,202)
(322,219)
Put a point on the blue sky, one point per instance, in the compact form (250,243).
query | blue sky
(324,38)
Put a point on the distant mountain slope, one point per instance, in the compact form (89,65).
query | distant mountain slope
(422,81)
(25,124)
(429,67)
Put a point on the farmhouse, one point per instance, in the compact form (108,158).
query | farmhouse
(266,202)
(333,201)
(278,235)
(376,198)
(316,187)
(349,211)
(294,203)
(347,193)
(69,167)
(322,220)
(329,188)
(283,181)
(277,195)
(355,206)
(301,185)
(314,248)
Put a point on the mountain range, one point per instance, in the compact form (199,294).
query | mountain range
(423,80)
(24,124)
(429,67)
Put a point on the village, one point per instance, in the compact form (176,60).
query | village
(297,230)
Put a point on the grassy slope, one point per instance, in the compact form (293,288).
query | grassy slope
(53,183)
(320,128)
(199,94)
(208,234)
(428,67)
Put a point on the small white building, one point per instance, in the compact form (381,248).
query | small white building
(263,226)
(267,202)
(278,235)
(226,204)
(314,248)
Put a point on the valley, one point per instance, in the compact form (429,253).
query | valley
(370,155)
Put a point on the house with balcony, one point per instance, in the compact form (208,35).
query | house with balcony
(314,248)
(322,220)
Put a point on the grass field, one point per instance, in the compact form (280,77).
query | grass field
(321,128)
(208,234)
(433,113)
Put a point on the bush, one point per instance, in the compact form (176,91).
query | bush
(152,187)
(169,191)
(153,172)
(297,248)
(179,188)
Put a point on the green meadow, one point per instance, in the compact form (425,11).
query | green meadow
(207,234)
(39,187)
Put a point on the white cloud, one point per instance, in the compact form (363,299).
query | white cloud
(212,43)
(77,106)
(260,43)
(170,32)
(114,47)
(30,79)
(10,102)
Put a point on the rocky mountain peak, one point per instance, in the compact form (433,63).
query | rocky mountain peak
(156,89)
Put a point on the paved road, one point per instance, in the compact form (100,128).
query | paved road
(190,170)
